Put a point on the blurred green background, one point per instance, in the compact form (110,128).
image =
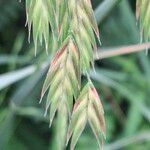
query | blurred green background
(123,84)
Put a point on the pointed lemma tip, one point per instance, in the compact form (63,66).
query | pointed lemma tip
(26,23)
(50,123)
(68,137)
(46,49)
(94,70)
(97,56)
(67,140)
(41,99)
(99,40)
(45,113)
(29,38)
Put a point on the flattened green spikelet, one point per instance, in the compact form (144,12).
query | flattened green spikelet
(63,78)
(88,107)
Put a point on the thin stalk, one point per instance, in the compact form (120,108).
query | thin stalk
(106,53)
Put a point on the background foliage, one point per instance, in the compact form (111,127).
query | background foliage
(123,84)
